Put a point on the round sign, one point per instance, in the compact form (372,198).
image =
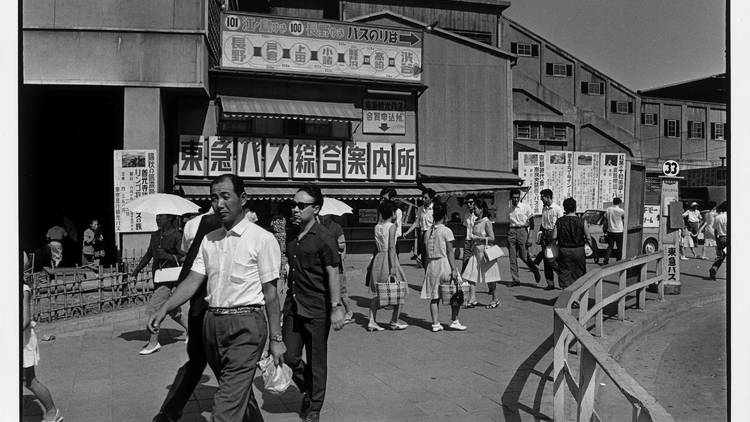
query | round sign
(671,168)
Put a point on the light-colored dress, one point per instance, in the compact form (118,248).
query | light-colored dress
(381,266)
(438,267)
(478,269)
(30,344)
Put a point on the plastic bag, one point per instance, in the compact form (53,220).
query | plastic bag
(276,379)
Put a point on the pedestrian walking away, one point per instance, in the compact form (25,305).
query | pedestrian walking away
(709,235)
(239,262)
(468,251)
(571,236)
(479,269)
(550,213)
(423,222)
(521,221)
(440,268)
(384,266)
(312,304)
(614,217)
(722,243)
(165,248)
(390,194)
(190,373)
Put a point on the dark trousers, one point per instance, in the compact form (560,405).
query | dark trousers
(517,238)
(312,334)
(233,345)
(468,252)
(614,239)
(189,375)
(421,247)
(572,265)
(721,243)
(550,264)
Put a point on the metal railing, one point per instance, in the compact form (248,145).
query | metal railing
(581,329)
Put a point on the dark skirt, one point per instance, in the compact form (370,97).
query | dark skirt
(572,265)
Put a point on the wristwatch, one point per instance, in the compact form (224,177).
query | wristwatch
(277,338)
(335,304)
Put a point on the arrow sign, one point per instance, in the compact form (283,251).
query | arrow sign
(411,38)
(384,127)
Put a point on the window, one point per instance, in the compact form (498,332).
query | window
(717,131)
(649,119)
(559,69)
(621,107)
(524,49)
(523,131)
(541,131)
(671,128)
(592,88)
(560,132)
(696,129)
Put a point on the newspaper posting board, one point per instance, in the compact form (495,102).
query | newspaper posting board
(135,176)
(531,170)
(611,178)
(586,180)
(559,174)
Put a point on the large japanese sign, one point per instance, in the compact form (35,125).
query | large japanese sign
(586,180)
(270,43)
(298,159)
(611,177)
(384,117)
(531,170)
(558,173)
(135,176)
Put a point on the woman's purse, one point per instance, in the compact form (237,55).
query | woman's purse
(393,292)
(493,252)
(168,275)
(454,291)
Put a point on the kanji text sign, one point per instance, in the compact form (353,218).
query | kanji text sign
(135,176)
(220,153)
(384,117)
(277,159)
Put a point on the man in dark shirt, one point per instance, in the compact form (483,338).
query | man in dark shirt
(312,303)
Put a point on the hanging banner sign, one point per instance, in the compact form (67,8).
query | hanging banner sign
(558,173)
(220,153)
(384,117)
(531,170)
(249,157)
(277,158)
(611,177)
(405,161)
(305,156)
(262,42)
(331,159)
(135,176)
(192,158)
(381,161)
(586,177)
(356,161)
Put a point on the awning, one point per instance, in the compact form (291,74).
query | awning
(282,193)
(247,107)
(467,188)
(470,176)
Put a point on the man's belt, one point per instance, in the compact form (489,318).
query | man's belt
(518,227)
(246,309)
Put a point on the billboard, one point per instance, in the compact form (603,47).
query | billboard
(135,173)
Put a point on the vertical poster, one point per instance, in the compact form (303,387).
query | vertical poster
(381,161)
(356,162)
(611,177)
(331,159)
(277,158)
(249,157)
(405,160)
(304,157)
(531,170)
(135,176)
(220,152)
(586,180)
(558,174)
(192,157)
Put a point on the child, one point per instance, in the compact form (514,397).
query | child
(31,357)
(686,241)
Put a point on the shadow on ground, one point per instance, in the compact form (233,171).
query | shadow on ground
(166,335)
(521,381)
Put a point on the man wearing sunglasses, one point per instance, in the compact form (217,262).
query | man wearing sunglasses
(313,301)
(469,220)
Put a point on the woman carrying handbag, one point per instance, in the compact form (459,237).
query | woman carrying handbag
(480,269)
(385,267)
(440,268)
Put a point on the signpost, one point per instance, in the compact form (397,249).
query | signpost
(669,233)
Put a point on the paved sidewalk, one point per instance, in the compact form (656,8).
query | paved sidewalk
(497,370)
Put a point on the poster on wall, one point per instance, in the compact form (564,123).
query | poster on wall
(383,117)
(191,161)
(531,170)
(381,161)
(405,161)
(249,157)
(558,173)
(277,158)
(135,173)
(611,177)
(220,153)
(356,163)
(304,157)
(586,180)
(331,159)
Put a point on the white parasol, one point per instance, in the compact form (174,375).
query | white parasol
(333,206)
(162,203)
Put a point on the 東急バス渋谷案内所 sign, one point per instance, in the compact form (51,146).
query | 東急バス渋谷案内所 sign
(277,44)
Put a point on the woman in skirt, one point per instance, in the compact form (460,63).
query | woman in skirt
(571,235)
(385,265)
(440,267)
(478,269)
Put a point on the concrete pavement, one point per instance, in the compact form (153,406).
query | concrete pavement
(499,369)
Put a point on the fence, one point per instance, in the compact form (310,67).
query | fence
(569,329)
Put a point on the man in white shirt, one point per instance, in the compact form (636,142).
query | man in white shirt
(720,230)
(550,213)
(615,216)
(423,222)
(240,262)
(521,219)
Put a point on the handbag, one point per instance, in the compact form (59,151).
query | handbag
(168,275)
(493,252)
(392,292)
(551,251)
(454,291)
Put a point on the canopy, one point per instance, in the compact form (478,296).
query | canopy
(248,107)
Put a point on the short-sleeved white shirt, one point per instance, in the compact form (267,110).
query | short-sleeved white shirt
(469,220)
(237,263)
(550,215)
(425,217)
(399,221)
(614,216)
(519,215)
(720,224)
(191,229)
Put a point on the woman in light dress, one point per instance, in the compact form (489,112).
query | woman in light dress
(479,270)
(440,267)
(385,265)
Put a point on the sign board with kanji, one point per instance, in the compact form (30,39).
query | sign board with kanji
(650,216)
(671,264)
(611,177)
(531,170)
(356,161)
(277,158)
(405,160)
(192,156)
(135,172)
(384,117)
(367,215)
(558,173)
(331,161)
(280,44)
(586,180)
(304,159)
(381,161)
(249,157)
(220,155)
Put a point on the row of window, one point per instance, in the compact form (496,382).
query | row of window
(696,130)
(541,131)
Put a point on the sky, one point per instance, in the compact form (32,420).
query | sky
(640,43)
